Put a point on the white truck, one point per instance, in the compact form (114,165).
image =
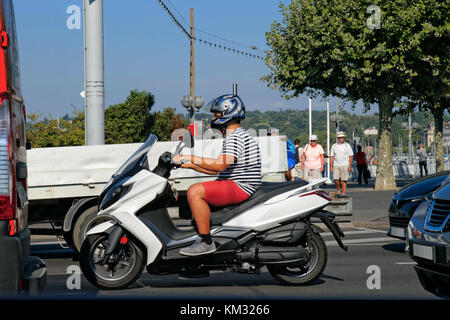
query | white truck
(64,182)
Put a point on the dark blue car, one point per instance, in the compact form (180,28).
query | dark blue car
(406,200)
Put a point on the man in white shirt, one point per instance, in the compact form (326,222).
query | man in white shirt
(341,157)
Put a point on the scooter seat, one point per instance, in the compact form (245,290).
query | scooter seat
(267,190)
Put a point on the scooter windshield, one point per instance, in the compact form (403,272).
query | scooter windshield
(135,157)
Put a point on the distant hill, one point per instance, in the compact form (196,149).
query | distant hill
(294,124)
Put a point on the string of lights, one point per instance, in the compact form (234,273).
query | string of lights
(212,43)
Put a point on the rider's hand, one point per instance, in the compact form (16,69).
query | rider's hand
(177,159)
(186,165)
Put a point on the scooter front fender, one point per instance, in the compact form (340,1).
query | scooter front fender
(102,227)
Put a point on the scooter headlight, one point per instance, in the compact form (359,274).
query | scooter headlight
(113,196)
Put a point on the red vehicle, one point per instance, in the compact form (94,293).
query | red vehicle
(18,270)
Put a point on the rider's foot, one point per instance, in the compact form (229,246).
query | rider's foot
(199,247)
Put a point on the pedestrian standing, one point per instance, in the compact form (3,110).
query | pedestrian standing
(361,165)
(341,157)
(312,159)
(422,154)
(297,172)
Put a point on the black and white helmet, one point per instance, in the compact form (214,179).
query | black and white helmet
(230,107)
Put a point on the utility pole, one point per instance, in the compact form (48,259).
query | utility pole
(192,71)
(337,115)
(310,117)
(190,102)
(94,103)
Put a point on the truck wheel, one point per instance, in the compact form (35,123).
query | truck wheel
(85,221)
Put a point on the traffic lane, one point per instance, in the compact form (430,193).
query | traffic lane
(345,277)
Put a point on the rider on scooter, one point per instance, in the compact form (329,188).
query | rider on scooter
(238,166)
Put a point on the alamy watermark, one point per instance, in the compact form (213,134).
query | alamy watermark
(374,280)
(268,145)
(374,20)
(73,22)
(74,280)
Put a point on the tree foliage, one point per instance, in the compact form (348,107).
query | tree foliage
(328,48)
(128,122)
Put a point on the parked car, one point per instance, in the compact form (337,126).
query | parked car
(428,241)
(407,199)
(18,270)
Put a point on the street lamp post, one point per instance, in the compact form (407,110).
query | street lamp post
(191,103)
(328,144)
(410,127)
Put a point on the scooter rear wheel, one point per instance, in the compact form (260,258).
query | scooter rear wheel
(304,275)
(124,271)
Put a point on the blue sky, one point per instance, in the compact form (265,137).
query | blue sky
(145,50)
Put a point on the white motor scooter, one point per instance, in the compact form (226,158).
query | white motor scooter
(272,228)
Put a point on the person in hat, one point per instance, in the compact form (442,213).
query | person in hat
(312,159)
(341,157)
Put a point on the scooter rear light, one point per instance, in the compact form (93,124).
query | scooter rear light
(321,194)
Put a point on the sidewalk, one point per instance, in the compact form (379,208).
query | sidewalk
(370,207)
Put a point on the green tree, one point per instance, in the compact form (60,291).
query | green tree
(127,122)
(130,121)
(166,122)
(430,88)
(54,133)
(331,47)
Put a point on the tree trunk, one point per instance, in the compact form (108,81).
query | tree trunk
(438,114)
(385,179)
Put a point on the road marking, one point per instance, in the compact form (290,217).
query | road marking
(374,230)
(348,233)
(411,262)
(365,240)
(42,243)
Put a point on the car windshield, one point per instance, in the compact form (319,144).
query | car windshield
(131,162)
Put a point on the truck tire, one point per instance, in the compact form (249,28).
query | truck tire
(84,222)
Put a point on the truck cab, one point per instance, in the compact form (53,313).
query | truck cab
(18,270)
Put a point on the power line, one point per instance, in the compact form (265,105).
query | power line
(212,44)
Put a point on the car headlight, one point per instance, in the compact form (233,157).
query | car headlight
(408,208)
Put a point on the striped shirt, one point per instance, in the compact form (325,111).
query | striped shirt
(246,170)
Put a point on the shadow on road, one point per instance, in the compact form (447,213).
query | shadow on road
(52,251)
(395,247)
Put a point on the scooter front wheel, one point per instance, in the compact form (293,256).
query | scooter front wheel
(116,271)
(304,275)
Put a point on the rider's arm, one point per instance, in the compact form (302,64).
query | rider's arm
(189,165)
(209,164)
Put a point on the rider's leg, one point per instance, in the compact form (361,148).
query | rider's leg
(199,208)
(201,213)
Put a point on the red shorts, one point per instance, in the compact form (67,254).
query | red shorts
(220,193)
